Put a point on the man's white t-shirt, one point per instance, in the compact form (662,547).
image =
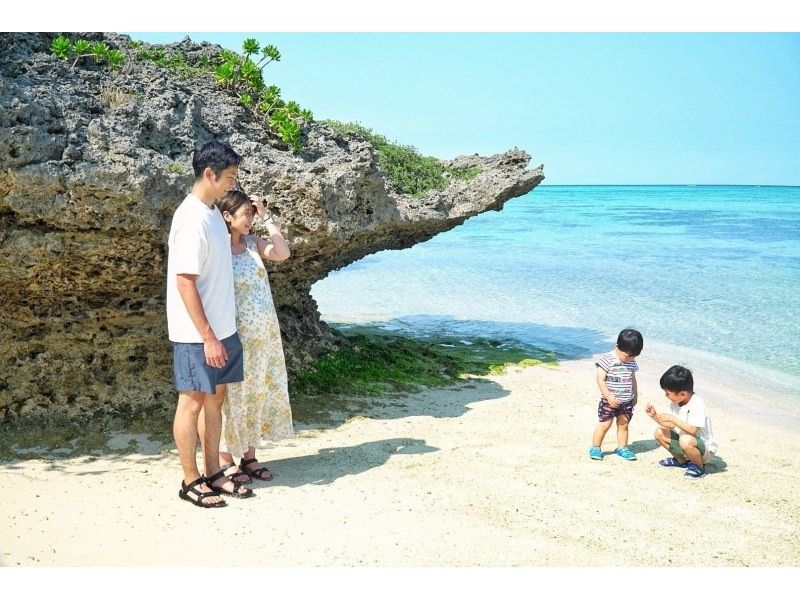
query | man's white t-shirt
(695,414)
(199,243)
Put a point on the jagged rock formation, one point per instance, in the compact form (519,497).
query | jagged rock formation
(92,165)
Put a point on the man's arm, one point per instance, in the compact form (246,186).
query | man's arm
(216,356)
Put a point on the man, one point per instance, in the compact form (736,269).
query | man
(207,353)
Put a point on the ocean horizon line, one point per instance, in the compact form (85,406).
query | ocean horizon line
(666,185)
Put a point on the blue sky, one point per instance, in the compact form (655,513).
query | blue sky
(595,108)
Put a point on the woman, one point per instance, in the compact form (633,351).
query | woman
(259,406)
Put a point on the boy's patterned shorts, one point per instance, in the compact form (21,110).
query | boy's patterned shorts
(606,412)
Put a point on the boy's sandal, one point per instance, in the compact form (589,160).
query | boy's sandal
(262,473)
(693,471)
(626,453)
(199,497)
(673,462)
(236,486)
(237,475)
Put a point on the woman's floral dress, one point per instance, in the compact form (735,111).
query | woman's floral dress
(258,408)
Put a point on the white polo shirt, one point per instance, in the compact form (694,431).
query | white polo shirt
(199,243)
(695,413)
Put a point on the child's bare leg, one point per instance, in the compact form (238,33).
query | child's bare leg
(688,444)
(600,432)
(662,436)
(622,431)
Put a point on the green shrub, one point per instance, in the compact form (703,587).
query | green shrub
(63,48)
(466,173)
(242,75)
(174,62)
(405,168)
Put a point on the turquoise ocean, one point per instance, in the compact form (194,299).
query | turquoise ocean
(709,274)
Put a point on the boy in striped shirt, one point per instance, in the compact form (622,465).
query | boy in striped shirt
(616,378)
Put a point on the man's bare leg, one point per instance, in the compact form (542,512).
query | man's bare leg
(212,418)
(224,457)
(211,429)
(184,430)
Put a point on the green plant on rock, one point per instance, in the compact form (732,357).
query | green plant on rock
(466,173)
(61,47)
(174,62)
(82,47)
(243,75)
(64,49)
(406,169)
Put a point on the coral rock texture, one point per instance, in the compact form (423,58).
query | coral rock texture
(93,162)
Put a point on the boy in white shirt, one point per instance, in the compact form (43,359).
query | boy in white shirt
(686,431)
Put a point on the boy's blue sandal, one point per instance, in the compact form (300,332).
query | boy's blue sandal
(596,453)
(673,462)
(693,471)
(626,453)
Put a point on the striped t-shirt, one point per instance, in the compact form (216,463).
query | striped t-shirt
(619,376)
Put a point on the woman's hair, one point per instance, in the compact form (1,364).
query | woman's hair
(232,201)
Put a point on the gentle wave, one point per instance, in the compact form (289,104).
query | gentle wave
(713,269)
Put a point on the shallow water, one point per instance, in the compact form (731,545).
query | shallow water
(709,274)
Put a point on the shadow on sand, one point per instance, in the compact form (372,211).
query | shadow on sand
(716,465)
(330,464)
(446,402)
(68,442)
(643,446)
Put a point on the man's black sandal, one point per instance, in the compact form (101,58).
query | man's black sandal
(198,500)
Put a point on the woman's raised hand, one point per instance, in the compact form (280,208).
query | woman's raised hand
(258,204)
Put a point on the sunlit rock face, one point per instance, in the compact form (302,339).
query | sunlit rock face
(93,163)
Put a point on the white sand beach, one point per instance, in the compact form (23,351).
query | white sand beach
(493,472)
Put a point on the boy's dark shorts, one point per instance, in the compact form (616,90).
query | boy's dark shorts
(606,412)
(675,445)
(191,372)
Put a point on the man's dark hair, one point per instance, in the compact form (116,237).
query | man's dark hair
(676,379)
(216,155)
(630,341)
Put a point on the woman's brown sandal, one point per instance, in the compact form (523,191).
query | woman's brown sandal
(262,473)
(236,486)
(238,475)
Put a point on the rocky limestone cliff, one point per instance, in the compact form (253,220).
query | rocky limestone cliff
(93,163)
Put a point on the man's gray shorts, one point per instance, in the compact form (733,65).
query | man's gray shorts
(192,373)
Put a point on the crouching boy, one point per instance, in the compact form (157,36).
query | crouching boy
(686,430)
